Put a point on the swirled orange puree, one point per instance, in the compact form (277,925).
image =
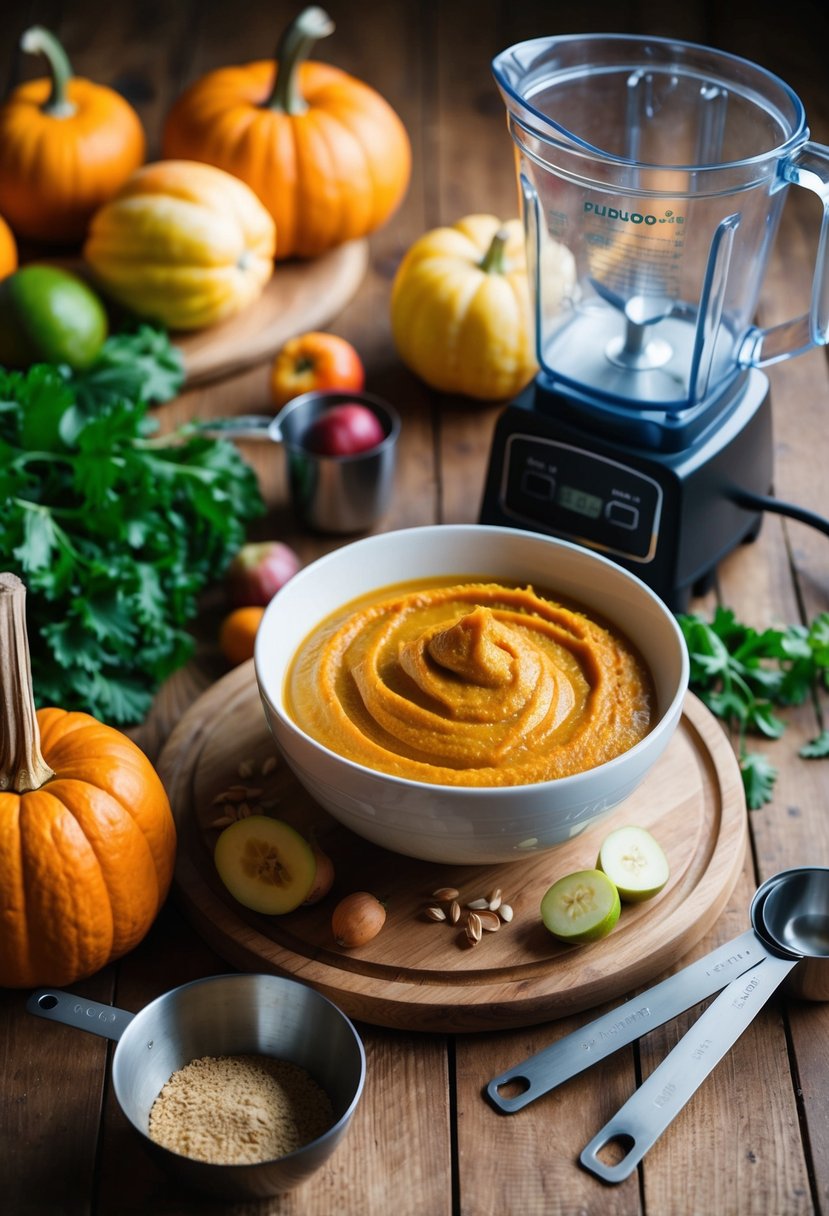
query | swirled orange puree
(469,684)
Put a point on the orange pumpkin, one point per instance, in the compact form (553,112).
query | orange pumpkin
(325,153)
(8,250)
(66,145)
(87,839)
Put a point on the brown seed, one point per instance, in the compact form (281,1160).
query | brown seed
(454,912)
(495,900)
(268,765)
(435,913)
(474,929)
(490,921)
(224,821)
(445,893)
(245,769)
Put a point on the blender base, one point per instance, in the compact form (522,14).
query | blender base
(668,516)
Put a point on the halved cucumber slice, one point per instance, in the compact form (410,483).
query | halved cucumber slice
(635,862)
(581,907)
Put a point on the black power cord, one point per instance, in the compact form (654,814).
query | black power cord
(763,502)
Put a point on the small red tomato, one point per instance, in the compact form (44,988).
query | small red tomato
(344,430)
(258,571)
(315,361)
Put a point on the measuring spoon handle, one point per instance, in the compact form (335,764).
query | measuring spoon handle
(577,1051)
(658,1100)
(77,1011)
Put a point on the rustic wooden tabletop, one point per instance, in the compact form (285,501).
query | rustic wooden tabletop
(424,1142)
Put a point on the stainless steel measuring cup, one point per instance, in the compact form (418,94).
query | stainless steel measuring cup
(335,494)
(224,1015)
(791,918)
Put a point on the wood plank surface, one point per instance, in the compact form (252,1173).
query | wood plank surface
(754,1141)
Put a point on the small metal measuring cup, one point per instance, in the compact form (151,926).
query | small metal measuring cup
(335,494)
(788,941)
(221,1015)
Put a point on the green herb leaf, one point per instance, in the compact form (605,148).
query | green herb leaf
(759,777)
(115,533)
(816,749)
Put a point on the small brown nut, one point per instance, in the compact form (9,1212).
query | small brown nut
(245,769)
(445,893)
(454,912)
(268,765)
(490,921)
(474,929)
(434,913)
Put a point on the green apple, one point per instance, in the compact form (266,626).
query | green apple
(634,862)
(581,907)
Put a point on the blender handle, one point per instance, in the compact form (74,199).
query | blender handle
(808,167)
(532,232)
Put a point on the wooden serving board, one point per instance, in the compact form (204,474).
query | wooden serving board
(418,974)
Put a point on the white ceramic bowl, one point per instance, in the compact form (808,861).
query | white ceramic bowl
(457,824)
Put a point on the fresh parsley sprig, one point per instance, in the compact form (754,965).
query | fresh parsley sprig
(115,529)
(745,676)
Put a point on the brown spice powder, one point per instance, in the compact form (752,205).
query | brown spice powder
(239,1110)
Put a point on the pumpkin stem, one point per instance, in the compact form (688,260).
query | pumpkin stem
(493,261)
(294,48)
(39,40)
(22,766)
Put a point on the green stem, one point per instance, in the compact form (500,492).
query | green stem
(493,260)
(38,40)
(294,48)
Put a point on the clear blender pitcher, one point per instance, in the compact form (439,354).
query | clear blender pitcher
(653,173)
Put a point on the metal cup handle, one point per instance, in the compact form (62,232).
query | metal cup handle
(77,1011)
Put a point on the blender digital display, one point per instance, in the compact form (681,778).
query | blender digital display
(652,174)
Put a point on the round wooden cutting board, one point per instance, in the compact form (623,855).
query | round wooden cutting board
(418,974)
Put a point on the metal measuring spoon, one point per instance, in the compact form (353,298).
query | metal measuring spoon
(622,1025)
(792,918)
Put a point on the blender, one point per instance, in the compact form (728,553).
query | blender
(652,174)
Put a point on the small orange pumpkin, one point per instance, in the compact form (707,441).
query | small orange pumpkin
(8,250)
(87,839)
(66,145)
(325,153)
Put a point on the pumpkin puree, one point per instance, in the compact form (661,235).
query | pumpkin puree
(469,684)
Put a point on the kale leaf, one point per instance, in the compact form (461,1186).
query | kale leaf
(115,530)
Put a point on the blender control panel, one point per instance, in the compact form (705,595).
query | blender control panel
(580,496)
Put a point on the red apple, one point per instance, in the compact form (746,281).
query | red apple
(344,430)
(258,571)
(313,362)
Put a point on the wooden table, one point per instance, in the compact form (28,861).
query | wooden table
(755,1139)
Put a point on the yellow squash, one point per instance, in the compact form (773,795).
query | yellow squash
(460,309)
(183,244)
